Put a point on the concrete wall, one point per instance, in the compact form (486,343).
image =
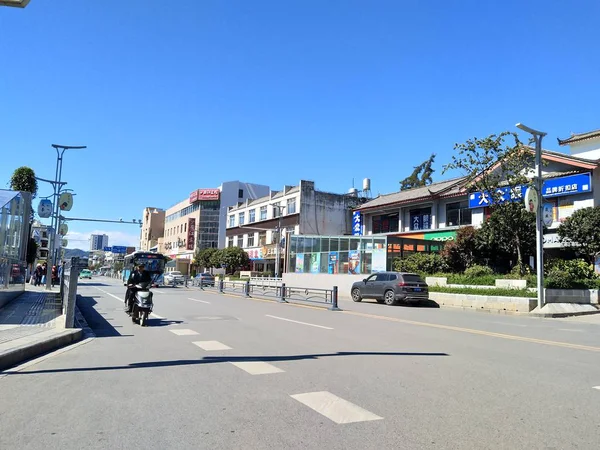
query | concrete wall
(583,296)
(324,214)
(489,303)
(323,281)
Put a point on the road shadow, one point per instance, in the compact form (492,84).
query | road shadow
(162,322)
(96,321)
(221,359)
(80,283)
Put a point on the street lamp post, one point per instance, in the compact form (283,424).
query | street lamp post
(278,240)
(538,182)
(57,184)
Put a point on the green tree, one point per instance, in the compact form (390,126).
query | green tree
(583,229)
(461,253)
(204,257)
(507,237)
(234,258)
(117,266)
(421,175)
(23,179)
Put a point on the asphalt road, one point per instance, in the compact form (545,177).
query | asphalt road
(219,372)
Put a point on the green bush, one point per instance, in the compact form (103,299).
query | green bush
(576,268)
(501,292)
(421,263)
(482,280)
(478,271)
(558,279)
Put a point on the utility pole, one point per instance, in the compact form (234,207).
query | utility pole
(539,235)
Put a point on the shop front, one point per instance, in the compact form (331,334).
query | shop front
(262,259)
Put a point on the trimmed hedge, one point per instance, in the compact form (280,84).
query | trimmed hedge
(499,292)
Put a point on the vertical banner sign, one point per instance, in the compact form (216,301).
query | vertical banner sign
(190,233)
(356,223)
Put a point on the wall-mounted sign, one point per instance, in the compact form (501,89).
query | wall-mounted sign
(45,208)
(65,201)
(555,187)
(356,223)
(191,229)
(205,194)
(63,229)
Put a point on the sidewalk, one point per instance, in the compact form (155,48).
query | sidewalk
(31,325)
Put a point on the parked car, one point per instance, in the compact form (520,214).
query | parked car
(174,278)
(204,279)
(391,288)
(85,273)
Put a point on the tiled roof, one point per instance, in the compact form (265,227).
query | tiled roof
(572,158)
(579,137)
(435,189)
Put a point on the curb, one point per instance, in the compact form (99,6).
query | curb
(562,315)
(23,353)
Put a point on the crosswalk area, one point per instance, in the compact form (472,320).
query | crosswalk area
(338,410)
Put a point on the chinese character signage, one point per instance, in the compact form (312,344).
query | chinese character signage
(356,223)
(555,187)
(205,194)
(191,229)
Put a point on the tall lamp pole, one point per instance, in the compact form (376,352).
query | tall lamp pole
(539,230)
(278,241)
(57,184)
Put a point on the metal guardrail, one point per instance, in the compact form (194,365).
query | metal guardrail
(282,293)
(68,288)
(266,281)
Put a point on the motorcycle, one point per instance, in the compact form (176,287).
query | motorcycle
(142,304)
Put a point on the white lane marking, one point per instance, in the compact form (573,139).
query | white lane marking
(335,408)
(158,292)
(156,316)
(184,332)
(112,295)
(570,329)
(201,301)
(257,367)
(211,345)
(296,321)
(596,387)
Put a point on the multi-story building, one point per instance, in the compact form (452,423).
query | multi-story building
(98,242)
(39,232)
(198,222)
(153,228)
(256,225)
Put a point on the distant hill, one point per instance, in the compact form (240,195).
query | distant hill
(75,253)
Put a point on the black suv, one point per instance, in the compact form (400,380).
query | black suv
(391,288)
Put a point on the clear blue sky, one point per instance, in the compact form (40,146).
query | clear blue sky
(173,96)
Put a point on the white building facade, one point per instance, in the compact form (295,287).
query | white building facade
(98,242)
(259,226)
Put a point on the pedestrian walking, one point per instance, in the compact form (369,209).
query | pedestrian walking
(44,273)
(38,275)
(54,276)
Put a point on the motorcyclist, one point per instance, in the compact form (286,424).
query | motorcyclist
(136,277)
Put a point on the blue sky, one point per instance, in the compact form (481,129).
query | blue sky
(174,96)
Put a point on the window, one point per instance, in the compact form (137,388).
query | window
(385,223)
(240,240)
(262,238)
(458,213)
(420,219)
(291,205)
(276,210)
(251,216)
(241,218)
(230,241)
(263,213)
(250,240)
(241,193)
(184,227)
(232,220)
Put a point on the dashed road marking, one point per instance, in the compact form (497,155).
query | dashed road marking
(596,387)
(158,292)
(156,316)
(335,408)
(257,367)
(302,323)
(211,345)
(183,332)
(199,301)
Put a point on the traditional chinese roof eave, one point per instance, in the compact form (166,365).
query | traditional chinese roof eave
(579,137)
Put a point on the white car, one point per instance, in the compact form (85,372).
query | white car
(174,278)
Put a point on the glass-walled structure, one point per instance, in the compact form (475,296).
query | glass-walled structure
(351,254)
(14,228)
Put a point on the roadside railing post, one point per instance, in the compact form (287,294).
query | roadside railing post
(221,286)
(247,288)
(282,294)
(334,299)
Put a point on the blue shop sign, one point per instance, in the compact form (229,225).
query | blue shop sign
(356,224)
(555,187)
